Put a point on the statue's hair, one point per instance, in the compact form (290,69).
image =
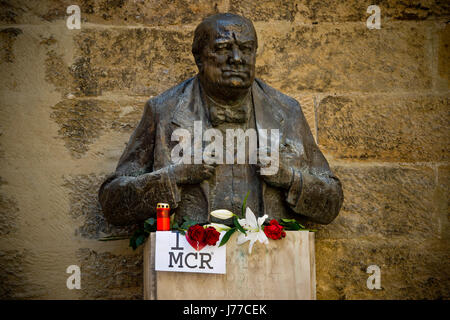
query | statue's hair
(202,32)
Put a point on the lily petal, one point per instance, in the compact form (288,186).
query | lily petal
(262,219)
(262,237)
(222,214)
(251,219)
(243,223)
(242,238)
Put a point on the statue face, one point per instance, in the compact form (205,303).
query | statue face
(228,61)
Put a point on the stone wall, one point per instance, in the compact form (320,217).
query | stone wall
(377,102)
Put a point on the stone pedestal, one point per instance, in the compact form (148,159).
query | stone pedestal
(284,269)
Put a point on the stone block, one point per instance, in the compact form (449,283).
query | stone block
(108,275)
(307,103)
(385,202)
(385,128)
(112,12)
(444,56)
(409,269)
(442,199)
(284,269)
(317,11)
(344,57)
(136,61)
(83,121)
(265,10)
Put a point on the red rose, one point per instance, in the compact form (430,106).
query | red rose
(196,233)
(274,222)
(274,230)
(211,236)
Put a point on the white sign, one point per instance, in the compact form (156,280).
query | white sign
(174,253)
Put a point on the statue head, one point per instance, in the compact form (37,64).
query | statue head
(224,49)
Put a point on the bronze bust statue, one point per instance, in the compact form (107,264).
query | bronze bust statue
(224,96)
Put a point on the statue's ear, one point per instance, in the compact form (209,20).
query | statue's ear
(198,62)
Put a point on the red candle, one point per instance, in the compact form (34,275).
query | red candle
(162,217)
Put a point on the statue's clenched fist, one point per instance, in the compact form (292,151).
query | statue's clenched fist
(192,173)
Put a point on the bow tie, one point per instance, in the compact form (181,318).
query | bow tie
(221,114)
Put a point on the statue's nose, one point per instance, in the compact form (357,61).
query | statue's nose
(236,55)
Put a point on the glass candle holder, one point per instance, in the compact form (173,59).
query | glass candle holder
(162,217)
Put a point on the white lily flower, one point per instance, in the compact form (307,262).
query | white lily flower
(218,226)
(255,231)
(222,214)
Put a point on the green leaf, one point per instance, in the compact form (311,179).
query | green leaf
(137,238)
(133,239)
(150,225)
(187,219)
(227,236)
(187,223)
(140,240)
(238,225)
(291,224)
(244,204)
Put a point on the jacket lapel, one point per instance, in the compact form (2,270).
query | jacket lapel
(190,107)
(268,114)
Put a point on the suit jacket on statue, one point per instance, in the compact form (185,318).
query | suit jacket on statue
(127,197)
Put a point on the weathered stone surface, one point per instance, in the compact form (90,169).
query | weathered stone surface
(307,102)
(8,213)
(345,57)
(265,10)
(158,12)
(82,121)
(153,12)
(83,195)
(337,10)
(133,61)
(444,54)
(111,276)
(140,61)
(356,10)
(117,12)
(57,72)
(8,12)
(7,37)
(14,282)
(163,59)
(442,199)
(385,202)
(412,128)
(413,269)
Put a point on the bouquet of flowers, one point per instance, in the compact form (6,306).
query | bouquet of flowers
(250,227)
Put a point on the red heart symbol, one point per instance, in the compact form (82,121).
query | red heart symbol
(195,244)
